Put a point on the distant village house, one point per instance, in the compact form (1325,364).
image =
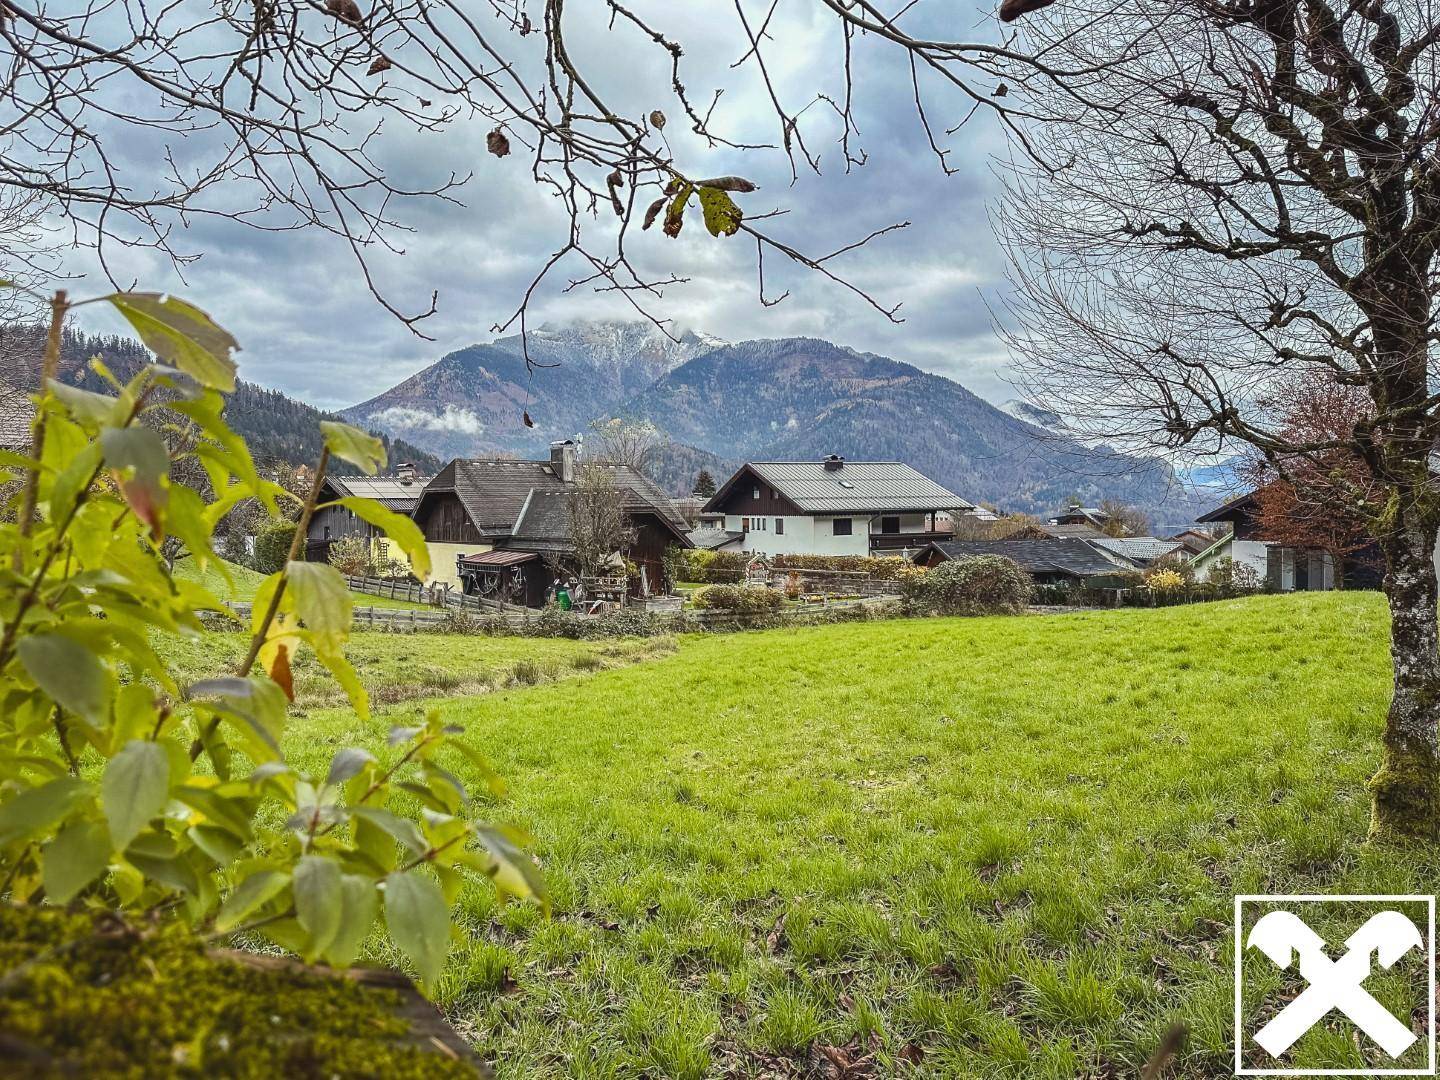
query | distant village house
(827,507)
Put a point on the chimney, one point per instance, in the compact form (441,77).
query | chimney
(834,463)
(562,461)
(405,472)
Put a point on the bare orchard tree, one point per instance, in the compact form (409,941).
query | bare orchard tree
(129,118)
(1254,193)
(599,527)
(625,441)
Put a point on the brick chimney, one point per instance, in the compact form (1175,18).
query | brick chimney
(834,463)
(405,472)
(562,461)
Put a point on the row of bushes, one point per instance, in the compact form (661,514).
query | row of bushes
(727,567)
(554,623)
(741,599)
(976,585)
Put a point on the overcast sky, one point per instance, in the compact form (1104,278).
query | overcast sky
(308,326)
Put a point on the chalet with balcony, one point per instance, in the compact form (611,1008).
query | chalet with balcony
(507,523)
(832,507)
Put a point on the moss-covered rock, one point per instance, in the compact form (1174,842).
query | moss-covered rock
(96,998)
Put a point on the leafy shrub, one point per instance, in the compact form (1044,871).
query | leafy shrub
(272,546)
(351,555)
(974,585)
(1234,579)
(1165,580)
(125,789)
(742,599)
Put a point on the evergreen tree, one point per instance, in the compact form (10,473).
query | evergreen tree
(704,484)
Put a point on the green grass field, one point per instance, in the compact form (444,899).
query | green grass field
(988,847)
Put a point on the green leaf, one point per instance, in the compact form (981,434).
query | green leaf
(142,461)
(359,904)
(181,335)
(220,844)
(322,600)
(359,448)
(317,901)
(514,872)
(135,788)
(76,857)
(347,763)
(36,809)
(419,922)
(250,895)
(722,216)
(70,674)
(397,527)
(402,829)
(95,410)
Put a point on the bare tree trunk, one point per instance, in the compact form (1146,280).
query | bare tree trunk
(1405,788)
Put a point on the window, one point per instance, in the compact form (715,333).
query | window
(755,493)
(779,526)
(889,524)
(841,526)
(327,532)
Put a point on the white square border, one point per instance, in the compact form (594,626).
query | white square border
(1313,898)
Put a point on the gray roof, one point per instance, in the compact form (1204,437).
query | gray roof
(545,516)
(1072,532)
(1139,550)
(862,486)
(714,539)
(16,414)
(389,491)
(494,494)
(1076,558)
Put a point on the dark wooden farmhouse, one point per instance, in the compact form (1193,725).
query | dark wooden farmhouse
(505,525)
(400,493)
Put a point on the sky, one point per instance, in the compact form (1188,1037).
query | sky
(307,326)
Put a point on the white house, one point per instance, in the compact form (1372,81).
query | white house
(832,507)
(1280,567)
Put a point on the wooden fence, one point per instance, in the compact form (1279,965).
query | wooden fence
(436,596)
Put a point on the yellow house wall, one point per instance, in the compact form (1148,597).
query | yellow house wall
(442,560)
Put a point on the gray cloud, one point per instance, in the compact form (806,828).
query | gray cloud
(298,305)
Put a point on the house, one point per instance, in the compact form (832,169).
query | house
(710,537)
(400,493)
(831,507)
(1280,567)
(1048,562)
(1090,516)
(474,507)
(1140,552)
(1194,541)
(1040,531)
(17,414)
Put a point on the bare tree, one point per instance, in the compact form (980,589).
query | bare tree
(271,113)
(625,441)
(1254,192)
(599,527)
(1122,519)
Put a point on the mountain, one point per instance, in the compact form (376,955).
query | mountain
(473,401)
(797,398)
(277,428)
(719,404)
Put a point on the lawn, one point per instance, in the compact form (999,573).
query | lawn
(988,847)
(399,668)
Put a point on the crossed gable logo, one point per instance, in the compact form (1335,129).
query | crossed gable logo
(1278,941)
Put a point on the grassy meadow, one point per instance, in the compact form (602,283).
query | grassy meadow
(984,847)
